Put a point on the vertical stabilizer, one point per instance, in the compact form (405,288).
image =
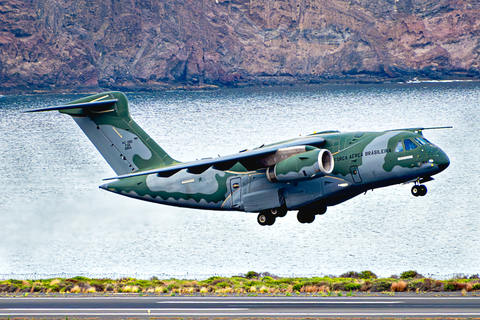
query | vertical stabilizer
(105,119)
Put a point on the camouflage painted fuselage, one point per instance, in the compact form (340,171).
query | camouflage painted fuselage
(363,161)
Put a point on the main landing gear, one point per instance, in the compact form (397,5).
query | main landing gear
(268,217)
(419,190)
(308,216)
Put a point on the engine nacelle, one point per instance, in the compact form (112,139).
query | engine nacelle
(302,166)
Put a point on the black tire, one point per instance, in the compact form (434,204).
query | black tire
(416,191)
(305,217)
(280,212)
(322,210)
(310,218)
(264,218)
(271,220)
(300,217)
(423,190)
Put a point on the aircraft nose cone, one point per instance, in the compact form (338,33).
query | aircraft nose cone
(442,160)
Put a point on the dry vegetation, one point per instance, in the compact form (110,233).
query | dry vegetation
(250,284)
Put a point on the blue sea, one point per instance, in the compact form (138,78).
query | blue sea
(56,222)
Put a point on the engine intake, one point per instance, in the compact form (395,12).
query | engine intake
(302,166)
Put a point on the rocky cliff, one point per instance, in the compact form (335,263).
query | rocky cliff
(154,44)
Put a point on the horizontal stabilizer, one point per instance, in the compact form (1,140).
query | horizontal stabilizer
(86,105)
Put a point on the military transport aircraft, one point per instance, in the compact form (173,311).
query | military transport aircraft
(307,173)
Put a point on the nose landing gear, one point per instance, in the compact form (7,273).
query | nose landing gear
(419,190)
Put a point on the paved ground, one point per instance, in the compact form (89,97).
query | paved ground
(122,307)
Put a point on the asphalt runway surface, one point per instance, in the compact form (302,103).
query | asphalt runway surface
(240,307)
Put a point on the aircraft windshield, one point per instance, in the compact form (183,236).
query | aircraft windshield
(422,141)
(409,145)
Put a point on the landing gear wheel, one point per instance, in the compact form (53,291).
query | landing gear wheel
(419,190)
(322,210)
(416,191)
(305,217)
(279,212)
(265,219)
(422,190)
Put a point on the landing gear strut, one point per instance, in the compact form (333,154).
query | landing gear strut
(419,190)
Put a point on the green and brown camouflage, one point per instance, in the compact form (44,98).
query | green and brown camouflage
(307,174)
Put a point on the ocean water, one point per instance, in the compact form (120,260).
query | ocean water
(55,221)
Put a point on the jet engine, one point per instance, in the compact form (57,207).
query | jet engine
(302,166)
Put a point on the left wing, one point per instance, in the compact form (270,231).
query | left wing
(261,157)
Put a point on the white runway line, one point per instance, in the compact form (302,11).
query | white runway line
(296,314)
(289,302)
(120,309)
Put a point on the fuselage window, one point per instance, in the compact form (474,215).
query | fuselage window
(409,145)
(399,147)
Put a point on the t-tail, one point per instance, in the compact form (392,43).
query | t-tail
(105,119)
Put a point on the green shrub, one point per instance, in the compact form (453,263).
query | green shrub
(449,286)
(54,288)
(172,286)
(417,284)
(222,284)
(367,275)
(220,280)
(212,279)
(251,275)
(350,274)
(379,286)
(285,280)
(476,286)
(253,283)
(267,279)
(350,286)
(298,286)
(79,278)
(409,274)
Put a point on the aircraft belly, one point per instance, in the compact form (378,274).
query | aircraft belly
(306,192)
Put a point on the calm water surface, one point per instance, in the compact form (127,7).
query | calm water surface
(55,221)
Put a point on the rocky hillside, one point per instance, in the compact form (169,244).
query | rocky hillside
(154,44)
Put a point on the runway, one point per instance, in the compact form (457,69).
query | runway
(240,307)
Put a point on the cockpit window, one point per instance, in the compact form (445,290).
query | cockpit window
(421,141)
(399,147)
(409,145)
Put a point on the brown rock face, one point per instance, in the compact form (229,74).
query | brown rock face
(154,44)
